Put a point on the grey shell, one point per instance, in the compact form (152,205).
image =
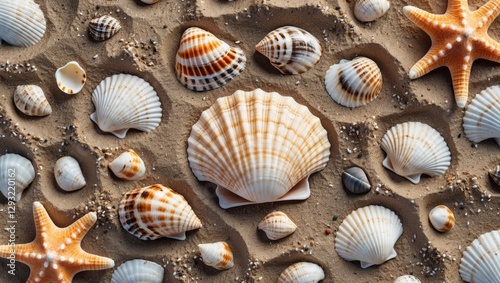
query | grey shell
(356,181)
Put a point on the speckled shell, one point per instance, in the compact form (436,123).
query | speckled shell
(68,174)
(291,50)
(157,211)
(138,270)
(368,234)
(407,279)
(204,62)
(22,22)
(123,102)
(217,255)
(495,174)
(18,169)
(104,27)
(302,272)
(353,83)
(481,120)
(128,166)
(277,225)
(356,181)
(413,149)
(30,100)
(71,77)
(481,261)
(370,10)
(257,147)
(442,218)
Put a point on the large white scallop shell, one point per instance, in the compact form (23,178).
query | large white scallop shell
(128,166)
(355,82)
(22,22)
(277,225)
(368,234)
(407,279)
(442,218)
(302,272)
(413,149)
(30,100)
(291,50)
(71,77)
(217,255)
(370,10)
(481,260)
(482,117)
(104,27)
(123,102)
(204,62)
(16,173)
(257,147)
(138,271)
(69,175)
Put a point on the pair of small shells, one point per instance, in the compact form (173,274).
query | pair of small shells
(277,225)
(22,22)
(481,261)
(71,78)
(104,27)
(217,255)
(356,181)
(16,174)
(128,166)
(370,10)
(30,100)
(138,270)
(302,272)
(442,218)
(482,116)
(69,175)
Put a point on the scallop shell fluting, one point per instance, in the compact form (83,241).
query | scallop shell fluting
(18,169)
(480,262)
(138,271)
(104,27)
(482,117)
(22,22)
(30,100)
(302,272)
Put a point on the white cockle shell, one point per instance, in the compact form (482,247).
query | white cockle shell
(368,234)
(480,262)
(123,102)
(30,100)
(370,10)
(257,147)
(69,175)
(217,255)
(104,27)
(71,77)
(413,149)
(22,22)
(128,166)
(482,117)
(277,225)
(138,271)
(16,174)
(302,272)
(442,218)
(407,279)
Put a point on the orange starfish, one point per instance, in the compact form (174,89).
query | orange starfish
(459,37)
(55,255)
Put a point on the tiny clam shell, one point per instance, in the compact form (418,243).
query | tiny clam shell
(277,225)
(128,166)
(302,272)
(18,169)
(217,255)
(68,174)
(495,174)
(22,22)
(30,100)
(481,261)
(356,181)
(481,119)
(138,271)
(71,77)
(370,10)
(104,27)
(407,279)
(442,218)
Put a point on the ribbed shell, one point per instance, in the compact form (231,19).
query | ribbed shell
(217,255)
(277,225)
(30,100)
(495,174)
(356,181)
(413,149)
(291,50)
(481,260)
(368,234)
(157,211)
(71,77)
(302,272)
(123,102)
(407,279)
(138,271)
(442,218)
(128,166)
(256,146)
(370,10)
(104,27)
(204,62)
(17,169)
(355,82)
(22,22)
(482,117)
(68,174)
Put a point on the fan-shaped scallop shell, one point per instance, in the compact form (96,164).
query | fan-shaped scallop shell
(104,27)
(356,181)
(370,10)
(123,102)
(302,272)
(217,255)
(157,211)
(204,62)
(277,225)
(368,234)
(407,279)
(257,147)
(22,22)
(68,174)
(71,77)
(30,100)
(355,82)
(138,270)
(495,174)
(442,218)
(481,120)
(413,149)
(16,173)
(291,50)
(481,260)
(128,166)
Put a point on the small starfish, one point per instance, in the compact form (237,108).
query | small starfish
(55,255)
(459,37)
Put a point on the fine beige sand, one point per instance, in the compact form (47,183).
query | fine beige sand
(355,134)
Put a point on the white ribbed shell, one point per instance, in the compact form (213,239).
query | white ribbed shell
(256,146)
(302,272)
(217,255)
(16,172)
(128,166)
(68,174)
(138,271)
(22,22)
(482,117)
(123,102)
(370,10)
(481,260)
(277,225)
(71,77)
(368,234)
(30,100)
(407,279)
(413,149)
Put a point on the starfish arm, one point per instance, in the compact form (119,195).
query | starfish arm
(423,19)
(19,252)
(428,63)
(42,218)
(460,79)
(488,49)
(79,228)
(488,12)
(456,6)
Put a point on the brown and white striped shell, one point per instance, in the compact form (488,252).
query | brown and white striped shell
(157,211)
(30,100)
(290,49)
(217,255)
(104,27)
(277,225)
(495,174)
(302,272)
(128,166)
(204,62)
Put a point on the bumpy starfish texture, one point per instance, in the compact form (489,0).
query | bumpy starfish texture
(55,255)
(458,38)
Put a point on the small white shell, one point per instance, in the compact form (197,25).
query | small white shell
(128,166)
(302,272)
(442,218)
(138,270)
(277,225)
(104,27)
(22,22)
(356,181)
(68,174)
(481,120)
(407,279)
(30,100)
(481,260)
(71,77)
(16,173)
(217,255)
(370,10)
